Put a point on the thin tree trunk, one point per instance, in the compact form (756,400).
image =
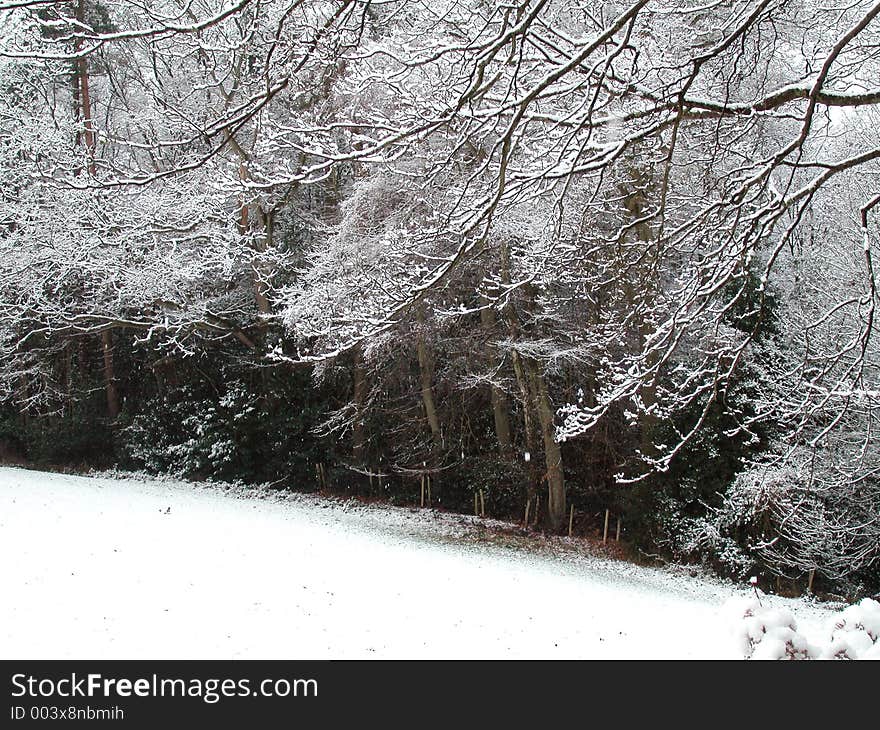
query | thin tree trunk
(359,377)
(261,279)
(261,244)
(90,141)
(68,377)
(109,375)
(524,389)
(83,96)
(426,375)
(24,390)
(528,424)
(500,410)
(636,204)
(552,451)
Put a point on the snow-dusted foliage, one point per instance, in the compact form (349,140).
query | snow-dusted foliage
(789,517)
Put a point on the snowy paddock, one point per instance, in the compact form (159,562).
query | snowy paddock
(109,568)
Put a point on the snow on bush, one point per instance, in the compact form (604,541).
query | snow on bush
(765,632)
(854,634)
(768,633)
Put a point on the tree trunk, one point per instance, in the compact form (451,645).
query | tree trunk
(90,142)
(426,376)
(83,96)
(359,376)
(535,395)
(528,424)
(261,273)
(522,383)
(636,202)
(552,450)
(261,244)
(500,410)
(109,375)
(24,389)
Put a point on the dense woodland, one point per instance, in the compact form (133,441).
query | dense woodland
(523,255)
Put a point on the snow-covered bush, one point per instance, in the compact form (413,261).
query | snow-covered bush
(765,632)
(692,538)
(855,633)
(788,518)
(768,633)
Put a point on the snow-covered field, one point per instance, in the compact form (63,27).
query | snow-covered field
(133,568)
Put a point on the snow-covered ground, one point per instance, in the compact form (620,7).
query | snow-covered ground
(133,568)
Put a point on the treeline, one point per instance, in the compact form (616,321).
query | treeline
(434,417)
